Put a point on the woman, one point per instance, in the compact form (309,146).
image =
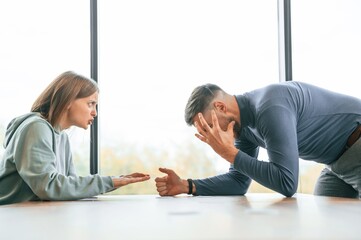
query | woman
(37,162)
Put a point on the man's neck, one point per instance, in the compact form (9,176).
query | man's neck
(234,108)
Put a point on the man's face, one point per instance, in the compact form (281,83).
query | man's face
(223,121)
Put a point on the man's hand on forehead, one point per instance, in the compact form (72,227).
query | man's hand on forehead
(221,141)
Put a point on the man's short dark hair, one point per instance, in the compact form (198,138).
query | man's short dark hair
(200,100)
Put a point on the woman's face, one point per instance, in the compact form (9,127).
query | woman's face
(82,111)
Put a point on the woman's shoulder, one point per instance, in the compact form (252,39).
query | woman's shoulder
(30,122)
(34,119)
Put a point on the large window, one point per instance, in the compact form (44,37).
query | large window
(151,56)
(326,38)
(155,53)
(326,44)
(39,40)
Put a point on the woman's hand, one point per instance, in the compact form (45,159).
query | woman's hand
(131,178)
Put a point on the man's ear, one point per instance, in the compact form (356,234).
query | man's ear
(220,106)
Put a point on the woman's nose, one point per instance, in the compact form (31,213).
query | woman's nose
(94,112)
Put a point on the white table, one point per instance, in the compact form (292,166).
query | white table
(254,216)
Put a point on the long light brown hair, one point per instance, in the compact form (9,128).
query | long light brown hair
(64,89)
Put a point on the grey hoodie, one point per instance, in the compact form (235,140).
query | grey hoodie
(37,165)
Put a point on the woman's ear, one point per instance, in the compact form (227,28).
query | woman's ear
(220,106)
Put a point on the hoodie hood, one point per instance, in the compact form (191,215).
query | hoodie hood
(15,123)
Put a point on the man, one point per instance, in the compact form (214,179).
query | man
(291,120)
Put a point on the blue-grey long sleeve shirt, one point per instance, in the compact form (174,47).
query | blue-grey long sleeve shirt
(291,120)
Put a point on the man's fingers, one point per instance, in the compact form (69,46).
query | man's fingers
(230,126)
(163,193)
(161,189)
(215,120)
(203,123)
(200,129)
(160,184)
(200,137)
(166,170)
(161,179)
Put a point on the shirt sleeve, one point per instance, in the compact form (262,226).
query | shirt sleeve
(36,163)
(280,172)
(231,183)
(72,170)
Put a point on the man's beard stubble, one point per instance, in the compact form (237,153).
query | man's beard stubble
(236,128)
